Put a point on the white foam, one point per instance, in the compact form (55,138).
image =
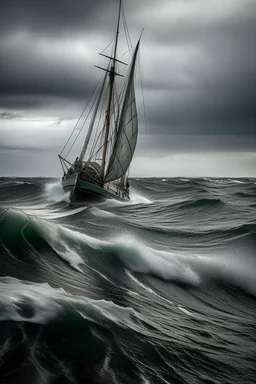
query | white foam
(70,256)
(140,283)
(22,182)
(236,181)
(105,365)
(56,214)
(52,234)
(235,269)
(32,209)
(166,265)
(43,212)
(136,256)
(136,198)
(145,287)
(101,213)
(184,310)
(55,193)
(76,235)
(118,315)
(46,303)
(184,267)
(144,380)
(187,267)
(15,295)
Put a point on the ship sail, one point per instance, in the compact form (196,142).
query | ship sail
(127,130)
(101,169)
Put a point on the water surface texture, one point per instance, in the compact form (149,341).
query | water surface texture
(160,289)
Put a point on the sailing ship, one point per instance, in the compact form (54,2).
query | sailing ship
(102,167)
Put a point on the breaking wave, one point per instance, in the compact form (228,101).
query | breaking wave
(124,252)
(55,193)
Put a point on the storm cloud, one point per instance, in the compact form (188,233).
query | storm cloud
(198,60)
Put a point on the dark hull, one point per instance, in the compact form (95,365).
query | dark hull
(83,191)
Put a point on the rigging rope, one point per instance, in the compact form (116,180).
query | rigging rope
(142,91)
(86,106)
(87,114)
(126,31)
(97,135)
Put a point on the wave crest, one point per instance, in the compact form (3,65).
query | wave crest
(54,192)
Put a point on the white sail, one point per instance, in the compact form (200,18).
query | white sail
(127,131)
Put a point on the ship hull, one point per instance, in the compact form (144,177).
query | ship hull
(83,191)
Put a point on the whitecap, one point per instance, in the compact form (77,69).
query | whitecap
(136,198)
(101,213)
(166,265)
(184,310)
(186,267)
(144,380)
(130,275)
(54,192)
(48,302)
(236,181)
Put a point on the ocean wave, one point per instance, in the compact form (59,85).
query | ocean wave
(237,181)
(54,192)
(124,252)
(130,253)
(67,329)
(72,246)
(187,268)
(136,198)
(17,191)
(39,303)
(145,260)
(101,213)
(18,183)
(22,182)
(202,203)
(135,292)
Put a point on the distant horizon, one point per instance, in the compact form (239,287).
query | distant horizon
(140,177)
(188,163)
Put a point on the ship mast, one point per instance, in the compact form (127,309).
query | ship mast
(112,75)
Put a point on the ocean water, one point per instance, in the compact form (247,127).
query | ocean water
(160,289)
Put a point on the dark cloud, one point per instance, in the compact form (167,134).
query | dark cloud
(31,67)
(198,59)
(52,17)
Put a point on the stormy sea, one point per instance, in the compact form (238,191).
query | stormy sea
(160,289)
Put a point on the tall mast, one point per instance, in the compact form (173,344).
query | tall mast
(112,75)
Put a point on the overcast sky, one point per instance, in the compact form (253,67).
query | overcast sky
(198,61)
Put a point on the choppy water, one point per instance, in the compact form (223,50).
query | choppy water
(157,290)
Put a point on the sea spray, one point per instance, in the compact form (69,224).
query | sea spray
(55,193)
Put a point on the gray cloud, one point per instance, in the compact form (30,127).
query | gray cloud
(198,60)
(52,17)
